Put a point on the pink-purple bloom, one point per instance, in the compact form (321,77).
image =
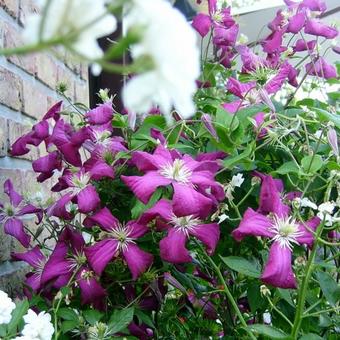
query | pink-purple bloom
(12,214)
(321,68)
(273,220)
(179,229)
(118,240)
(195,190)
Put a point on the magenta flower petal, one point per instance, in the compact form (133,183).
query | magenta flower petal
(88,199)
(14,197)
(15,228)
(211,156)
(137,260)
(225,36)
(296,23)
(48,163)
(144,186)
(233,107)
(100,170)
(314,5)
(302,45)
(33,281)
(162,208)
(278,270)
(33,257)
(205,181)
(316,27)
(91,291)
(253,224)
(276,83)
(103,218)
(321,68)
(202,24)
(187,201)
(270,198)
(102,114)
(239,89)
(273,43)
(136,229)
(71,154)
(101,253)
(54,112)
(59,208)
(146,162)
(208,234)
(172,247)
(306,236)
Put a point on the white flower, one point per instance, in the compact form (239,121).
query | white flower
(64,17)
(237,180)
(305,203)
(6,308)
(327,207)
(267,318)
(222,218)
(38,326)
(171,43)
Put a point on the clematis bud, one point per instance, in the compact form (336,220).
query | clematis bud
(333,141)
(264,290)
(206,120)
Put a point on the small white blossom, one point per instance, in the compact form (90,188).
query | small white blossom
(237,180)
(305,203)
(222,218)
(6,308)
(38,326)
(267,318)
(327,207)
(65,17)
(171,44)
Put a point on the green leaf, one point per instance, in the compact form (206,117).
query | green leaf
(92,316)
(329,287)
(256,300)
(2,330)
(268,331)
(67,326)
(327,116)
(241,265)
(232,160)
(20,310)
(120,319)
(310,336)
(140,207)
(285,295)
(311,164)
(286,168)
(144,318)
(68,314)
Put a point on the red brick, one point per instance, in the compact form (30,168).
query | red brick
(13,39)
(3,137)
(26,7)
(34,101)
(10,89)
(47,70)
(81,92)
(10,6)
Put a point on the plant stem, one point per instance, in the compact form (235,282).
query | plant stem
(304,285)
(227,291)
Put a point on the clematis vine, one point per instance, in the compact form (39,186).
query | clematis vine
(273,220)
(117,240)
(195,190)
(12,214)
(179,230)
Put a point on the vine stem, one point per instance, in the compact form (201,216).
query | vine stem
(304,285)
(227,291)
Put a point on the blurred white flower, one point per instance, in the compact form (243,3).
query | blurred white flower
(38,326)
(6,308)
(325,213)
(305,203)
(237,180)
(171,43)
(65,17)
(222,218)
(327,207)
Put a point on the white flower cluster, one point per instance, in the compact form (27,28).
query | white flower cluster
(235,182)
(37,326)
(171,44)
(6,308)
(86,19)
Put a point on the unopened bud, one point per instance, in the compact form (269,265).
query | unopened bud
(264,290)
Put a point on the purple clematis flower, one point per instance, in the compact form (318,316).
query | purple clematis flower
(250,60)
(321,68)
(179,230)
(202,24)
(195,189)
(100,115)
(80,189)
(272,220)
(36,259)
(47,165)
(302,45)
(120,240)
(68,259)
(11,214)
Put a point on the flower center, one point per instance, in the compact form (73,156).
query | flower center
(122,234)
(176,171)
(185,223)
(87,274)
(80,181)
(286,231)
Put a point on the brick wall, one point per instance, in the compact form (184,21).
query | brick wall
(27,90)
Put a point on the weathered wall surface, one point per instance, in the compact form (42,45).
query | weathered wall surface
(27,90)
